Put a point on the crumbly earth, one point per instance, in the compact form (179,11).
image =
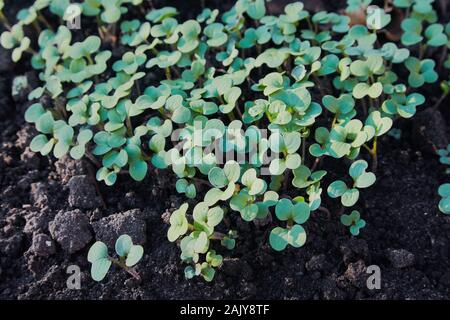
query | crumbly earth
(42,201)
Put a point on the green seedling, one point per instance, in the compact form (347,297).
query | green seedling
(244,107)
(444,156)
(420,72)
(353,221)
(444,192)
(361,179)
(294,234)
(128,253)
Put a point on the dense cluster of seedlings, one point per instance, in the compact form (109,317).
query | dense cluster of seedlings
(278,93)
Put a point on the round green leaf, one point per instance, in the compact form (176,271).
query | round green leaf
(123,245)
(98,251)
(100,268)
(278,238)
(134,255)
(336,189)
(350,197)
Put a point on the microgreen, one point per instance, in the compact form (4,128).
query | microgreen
(361,179)
(444,156)
(353,221)
(128,254)
(242,106)
(444,192)
(420,72)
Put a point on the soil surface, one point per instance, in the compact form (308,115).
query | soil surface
(52,211)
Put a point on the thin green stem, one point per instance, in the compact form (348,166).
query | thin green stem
(168,74)
(422,50)
(333,123)
(217,236)
(5,21)
(31,51)
(42,19)
(231,116)
(89,59)
(304,149)
(130,270)
(316,163)
(129,127)
(37,27)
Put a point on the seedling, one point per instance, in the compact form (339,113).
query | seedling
(444,157)
(444,192)
(353,221)
(444,189)
(129,255)
(280,93)
(361,179)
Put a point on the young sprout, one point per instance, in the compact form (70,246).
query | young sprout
(278,96)
(294,234)
(15,39)
(128,253)
(444,192)
(367,69)
(444,156)
(353,221)
(412,32)
(361,179)
(134,33)
(420,72)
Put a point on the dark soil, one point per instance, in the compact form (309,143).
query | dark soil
(52,211)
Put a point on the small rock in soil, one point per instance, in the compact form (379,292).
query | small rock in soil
(24,136)
(356,273)
(166,216)
(71,230)
(317,263)
(11,246)
(37,221)
(66,168)
(355,249)
(39,195)
(430,130)
(82,193)
(24,183)
(15,217)
(400,258)
(43,245)
(30,159)
(95,215)
(108,229)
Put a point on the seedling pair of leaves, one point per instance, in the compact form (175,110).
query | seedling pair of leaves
(361,179)
(295,215)
(353,221)
(196,89)
(129,255)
